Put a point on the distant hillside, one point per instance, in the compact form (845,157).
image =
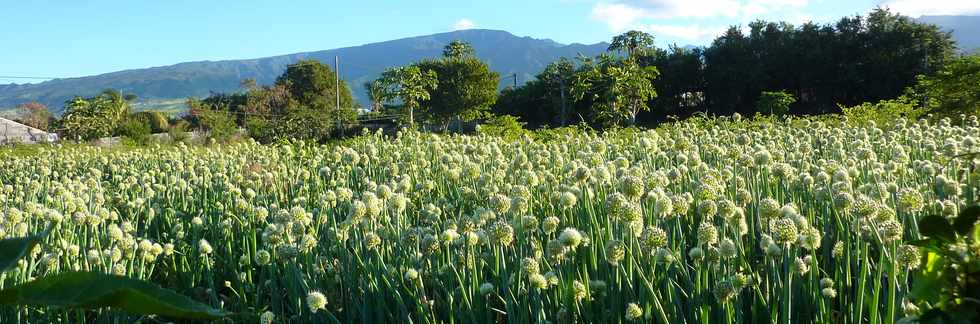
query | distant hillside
(504,52)
(966,29)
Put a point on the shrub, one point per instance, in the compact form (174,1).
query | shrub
(775,102)
(178,132)
(882,113)
(156,120)
(219,124)
(260,129)
(504,126)
(135,129)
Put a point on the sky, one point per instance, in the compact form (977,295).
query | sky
(69,38)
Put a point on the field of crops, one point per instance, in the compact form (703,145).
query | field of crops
(703,221)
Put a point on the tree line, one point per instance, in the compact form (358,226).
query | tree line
(773,68)
(806,69)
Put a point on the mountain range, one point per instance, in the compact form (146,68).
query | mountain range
(504,52)
(165,87)
(966,30)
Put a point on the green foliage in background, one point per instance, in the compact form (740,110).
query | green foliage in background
(408,85)
(953,90)
(883,113)
(775,103)
(95,117)
(465,89)
(504,126)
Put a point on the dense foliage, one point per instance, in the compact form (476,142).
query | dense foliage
(705,220)
(407,84)
(774,103)
(849,62)
(952,91)
(303,104)
(95,117)
(466,87)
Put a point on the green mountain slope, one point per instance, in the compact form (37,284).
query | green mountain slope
(966,29)
(504,52)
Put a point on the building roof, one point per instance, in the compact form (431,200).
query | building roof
(14,132)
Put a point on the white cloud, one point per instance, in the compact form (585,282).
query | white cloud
(620,15)
(916,8)
(464,24)
(616,15)
(695,21)
(685,32)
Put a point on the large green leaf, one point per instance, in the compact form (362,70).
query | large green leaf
(929,283)
(11,250)
(91,290)
(966,220)
(937,227)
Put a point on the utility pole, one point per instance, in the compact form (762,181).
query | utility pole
(336,65)
(515,80)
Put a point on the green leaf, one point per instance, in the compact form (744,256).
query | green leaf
(929,282)
(936,227)
(12,250)
(967,219)
(90,290)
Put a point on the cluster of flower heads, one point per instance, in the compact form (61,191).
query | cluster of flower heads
(570,225)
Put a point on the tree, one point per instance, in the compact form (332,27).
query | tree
(374,94)
(953,90)
(215,116)
(312,102)
(408,84)
(95,117)
(618,89)
(634,43)
(35,114)
(775,102)
(557,78)
(823,66)
(680,87)
(466,88)
(302,104)
(544,100)
(458,49)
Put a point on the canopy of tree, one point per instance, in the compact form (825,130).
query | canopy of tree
(465,87)
(302,104)
(407,84)
(95,117)
(953,90)
(857,59)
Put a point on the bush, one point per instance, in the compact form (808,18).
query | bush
(882,113)
(220,124)
(260,129)
(562,133)
(504,126)
(178,132)
(134,129)
(775,103)
(156,120)
(951,91)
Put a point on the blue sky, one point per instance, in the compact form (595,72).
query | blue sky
(77,38)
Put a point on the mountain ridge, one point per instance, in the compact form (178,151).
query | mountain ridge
(965,29)
(504,52)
